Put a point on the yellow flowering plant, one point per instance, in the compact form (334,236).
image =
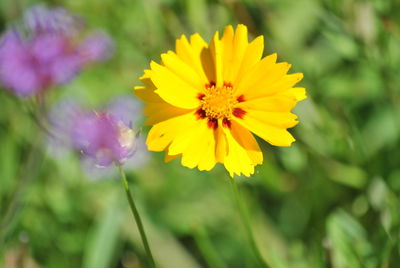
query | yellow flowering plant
(205,101)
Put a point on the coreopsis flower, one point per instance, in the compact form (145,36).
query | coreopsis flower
(205,101)
(47,51)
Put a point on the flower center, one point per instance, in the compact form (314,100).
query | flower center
(126,137)
(218,102)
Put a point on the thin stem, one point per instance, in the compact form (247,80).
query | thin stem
(137,217)
(36,109)
(27,174)
(246,223)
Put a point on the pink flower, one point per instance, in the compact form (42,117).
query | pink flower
(49,54)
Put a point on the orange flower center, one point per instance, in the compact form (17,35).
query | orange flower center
(218,102)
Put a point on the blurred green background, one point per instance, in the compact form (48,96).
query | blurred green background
(330,200)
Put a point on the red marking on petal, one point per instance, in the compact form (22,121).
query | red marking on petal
(226,123)
(227,84)
(240,98)
(210,85)
(239,112)
(213,123)
(201,114)
(200,96)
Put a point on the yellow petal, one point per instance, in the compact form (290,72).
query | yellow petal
(217,56)
(279,119)
(248,142)
(161,134)
(188,136)
(273,86)
(228,53)
(192,53)
(208,65)
(158,112)
(276,103)
(173,89)
(221,144)
(253,55)
(240,44)
(274,135)
(146,79)
(147,95)
(182,70)
(257,72)
(197,43)
(296,93)
(203,53)
(207,159)
(192,155)
(237,161)
(201,151)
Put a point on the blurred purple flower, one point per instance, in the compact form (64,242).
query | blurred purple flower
(50,53)
(97,47)
(102,137)
(140,158)
(126,109)
(56,20)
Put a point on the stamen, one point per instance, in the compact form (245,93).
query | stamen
(218,103)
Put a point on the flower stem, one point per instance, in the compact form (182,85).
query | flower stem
(16,202)
(246,223)
(137,217)
(26,175)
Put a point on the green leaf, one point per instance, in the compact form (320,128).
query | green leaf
(103,238)
(347,242)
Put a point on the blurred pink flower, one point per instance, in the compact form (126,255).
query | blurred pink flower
(51,53)
(103,137)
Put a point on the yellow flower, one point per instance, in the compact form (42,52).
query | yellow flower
(205,100)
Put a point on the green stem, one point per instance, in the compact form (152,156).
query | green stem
(137,217)
(16,199)
(26,175)
(246,223)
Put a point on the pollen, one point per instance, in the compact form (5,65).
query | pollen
(218,102)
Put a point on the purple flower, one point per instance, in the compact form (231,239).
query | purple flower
(30,67)
(102,137)
(50,53)
(56,20)
(126,109)
(97,47)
